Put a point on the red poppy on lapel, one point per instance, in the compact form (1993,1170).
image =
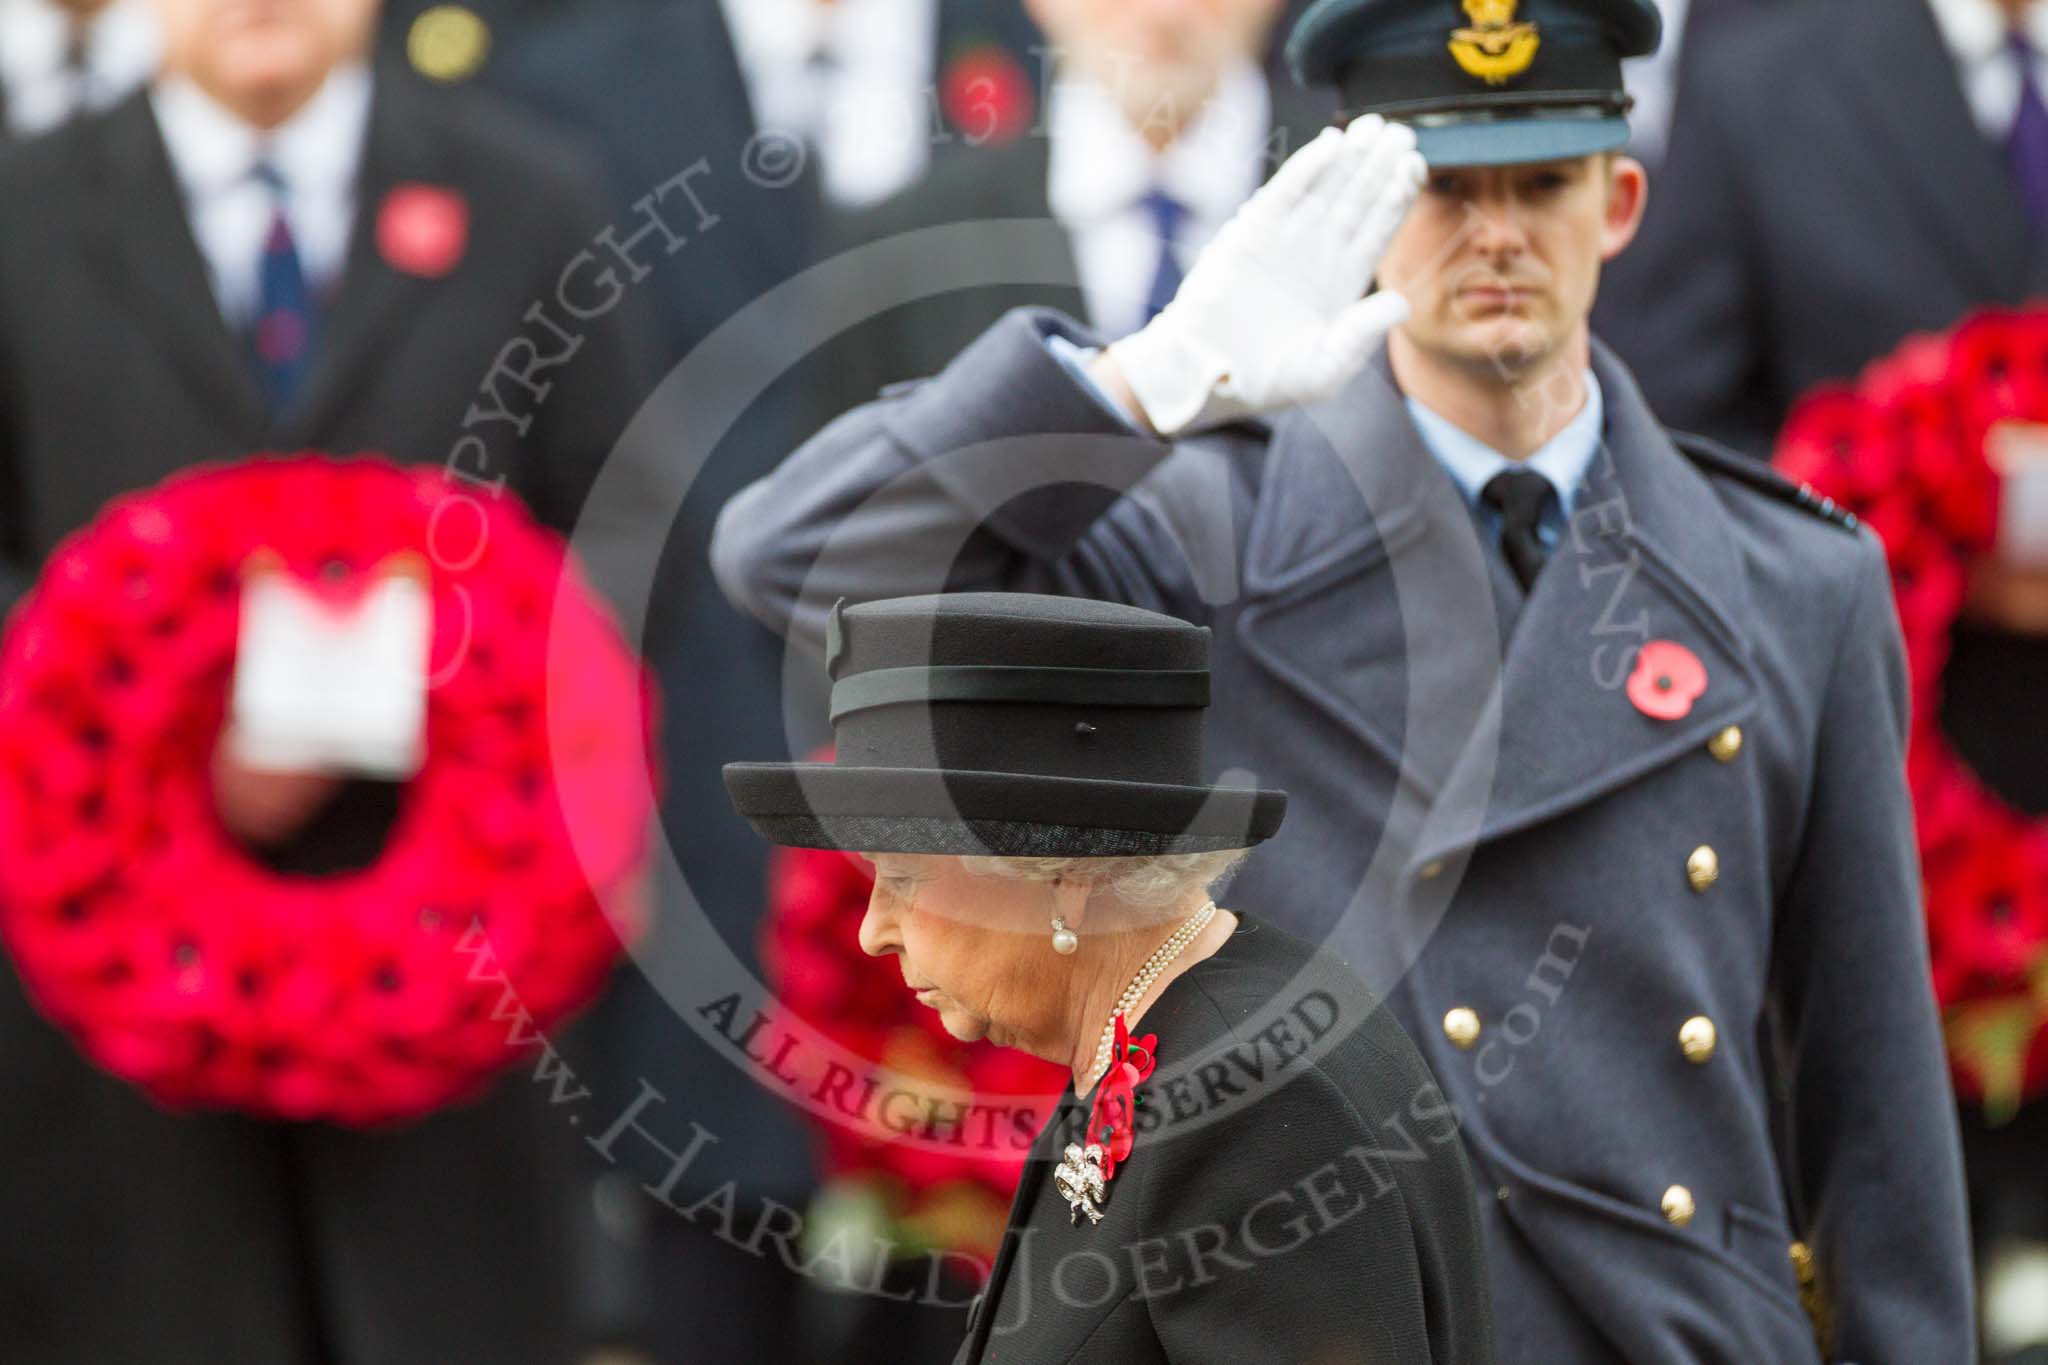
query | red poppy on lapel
(1668,679)
(987,95)
(423,229)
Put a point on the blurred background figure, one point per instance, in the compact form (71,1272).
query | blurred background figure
(766,112)
(1654,80)
(858,81)
(280,245)
(1840,177)
(658,85)
(1160,121)
(1629,285)
(62,58)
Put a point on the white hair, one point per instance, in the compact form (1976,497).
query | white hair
(1154,882)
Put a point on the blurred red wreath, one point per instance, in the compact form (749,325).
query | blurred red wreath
(954,1200)
(175,960)
(1905,448)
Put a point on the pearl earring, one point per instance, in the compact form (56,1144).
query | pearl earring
(1065,941)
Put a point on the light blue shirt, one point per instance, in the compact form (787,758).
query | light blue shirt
(1471,463)
(1563,460)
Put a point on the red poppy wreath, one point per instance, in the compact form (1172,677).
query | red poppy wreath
(175,960)
(1906,449)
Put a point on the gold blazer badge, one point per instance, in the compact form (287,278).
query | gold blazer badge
(1495,48)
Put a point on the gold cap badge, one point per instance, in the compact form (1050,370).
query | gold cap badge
(1496,47)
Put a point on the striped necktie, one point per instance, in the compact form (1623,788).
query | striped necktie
(281,341)
(2027,144)
(1167,215)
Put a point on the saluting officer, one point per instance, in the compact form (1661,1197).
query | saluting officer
(1594,733)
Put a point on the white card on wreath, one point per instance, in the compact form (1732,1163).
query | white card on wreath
(2019,454)
(325,688)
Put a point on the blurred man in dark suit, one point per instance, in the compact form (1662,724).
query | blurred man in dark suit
(62,58)
(1159,123)
(1633,283)
(726,95)
(145,257)
(1846,173)
(864,83)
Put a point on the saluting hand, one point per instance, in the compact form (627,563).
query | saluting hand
(1275,313)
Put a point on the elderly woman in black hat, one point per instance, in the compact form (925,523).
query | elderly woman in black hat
(1253,1162)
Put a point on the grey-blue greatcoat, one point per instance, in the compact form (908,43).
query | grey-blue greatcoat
(1510,834)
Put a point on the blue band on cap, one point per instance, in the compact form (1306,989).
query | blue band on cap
(1512,141)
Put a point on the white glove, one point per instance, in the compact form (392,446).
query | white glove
(1275,312)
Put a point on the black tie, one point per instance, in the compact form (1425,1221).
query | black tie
(1519,495)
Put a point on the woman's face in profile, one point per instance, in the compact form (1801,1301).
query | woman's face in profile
(976,949)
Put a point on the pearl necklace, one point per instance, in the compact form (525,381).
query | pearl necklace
(1142,982)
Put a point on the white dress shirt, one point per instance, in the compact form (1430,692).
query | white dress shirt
(318,152)
(868,111)
(1102,170)
(121,48)
(1975,31)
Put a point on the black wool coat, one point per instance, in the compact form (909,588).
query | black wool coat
(1297,1192)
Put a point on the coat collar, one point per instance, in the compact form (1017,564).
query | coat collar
(1360,549)
(1363,558)
(1648,556)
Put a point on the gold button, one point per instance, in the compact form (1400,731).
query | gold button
(1461,1026)
(447,43)
(1726,745)
(1431,871)
(1678,1206)
(1703,868)
(1802,1263)
(1696,1037)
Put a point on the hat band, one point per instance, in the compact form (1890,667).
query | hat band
(1003,683)
(1568,72)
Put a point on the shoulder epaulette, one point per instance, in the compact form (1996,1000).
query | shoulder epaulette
(1718,459)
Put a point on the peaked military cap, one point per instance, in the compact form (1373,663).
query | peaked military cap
(1009,724)
(1482,82)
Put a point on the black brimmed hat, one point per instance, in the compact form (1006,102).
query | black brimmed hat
(1482,82)
(1009,724)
